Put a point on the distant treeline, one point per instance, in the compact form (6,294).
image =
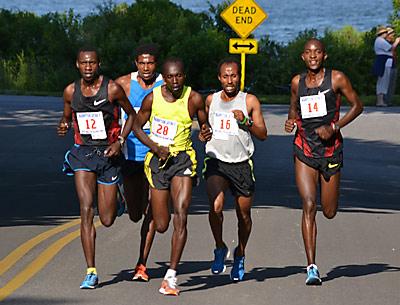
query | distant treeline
(37,53)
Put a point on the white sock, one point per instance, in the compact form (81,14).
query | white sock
(312,266)
(170,273)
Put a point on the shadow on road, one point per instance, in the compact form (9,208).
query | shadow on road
(358,270)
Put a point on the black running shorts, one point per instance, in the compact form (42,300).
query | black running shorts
(328,166)
(240,175)
(92,159)
(159,173)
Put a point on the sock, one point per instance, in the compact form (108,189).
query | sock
(170,273)
(312,266)
(91,270)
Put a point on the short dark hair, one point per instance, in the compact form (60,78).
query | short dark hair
(229,60)
(147,48)
(174,60)
(88,48)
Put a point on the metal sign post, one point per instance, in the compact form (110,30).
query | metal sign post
(243,16)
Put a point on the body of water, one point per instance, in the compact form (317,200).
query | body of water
(286,18)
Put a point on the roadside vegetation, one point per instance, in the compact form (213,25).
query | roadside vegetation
(37,53)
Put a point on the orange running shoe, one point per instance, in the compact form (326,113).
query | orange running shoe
(141,273)
(168,286)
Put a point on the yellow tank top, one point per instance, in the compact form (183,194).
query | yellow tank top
(171,122)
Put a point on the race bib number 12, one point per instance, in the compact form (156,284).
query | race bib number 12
(92,123)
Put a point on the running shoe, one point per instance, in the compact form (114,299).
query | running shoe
(237,272)
(141,273)
(313,277)
(90,282)
(220,255)
(168,286)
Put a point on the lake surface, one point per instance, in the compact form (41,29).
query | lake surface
(285,18)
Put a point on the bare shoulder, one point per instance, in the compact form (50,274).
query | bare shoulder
(209,99)
(295,80)
(252,98)
(113,87)
(339,79)
(123,80)
(69,92)
(195,97)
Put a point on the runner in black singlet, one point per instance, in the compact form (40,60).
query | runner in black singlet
(314,110)
(92,103)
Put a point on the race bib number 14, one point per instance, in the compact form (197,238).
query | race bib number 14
(313,106)
(92,123)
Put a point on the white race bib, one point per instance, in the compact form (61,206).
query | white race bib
(92,123)
(224,125)
(163,131)
(145,126)
(313,106)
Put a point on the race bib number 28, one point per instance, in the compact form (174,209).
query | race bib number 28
(313,106)
(92,123)
(163,131)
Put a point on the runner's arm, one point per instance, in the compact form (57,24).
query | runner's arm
(117,94)
(205,133)
(66,118)
(290,123)
(342,83)
(142,117)
(257,128)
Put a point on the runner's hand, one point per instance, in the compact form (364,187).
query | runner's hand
(290,124)
(113,150)
(205,133)
(162,152)
(324,132)
(238,115)
(62,128)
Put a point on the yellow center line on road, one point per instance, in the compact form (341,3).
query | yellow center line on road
(38,264)
(9,261)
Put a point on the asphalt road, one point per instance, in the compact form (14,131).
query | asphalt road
(358,252)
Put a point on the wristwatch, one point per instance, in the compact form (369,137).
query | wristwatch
(121,140)
(335,127)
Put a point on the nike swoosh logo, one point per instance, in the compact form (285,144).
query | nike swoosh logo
(95,103)
(330,165)
(114,178)
(323,92)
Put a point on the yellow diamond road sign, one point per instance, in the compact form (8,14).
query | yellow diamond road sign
(243,16)
(246,46)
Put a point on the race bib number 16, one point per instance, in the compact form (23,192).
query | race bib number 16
(313,106)
(224,125)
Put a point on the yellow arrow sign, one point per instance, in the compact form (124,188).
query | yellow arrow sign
(246,46)
(243,16)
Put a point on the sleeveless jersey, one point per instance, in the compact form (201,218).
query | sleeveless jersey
(311,104)
(229,143)
(170,123)
(134,149)
(95,118)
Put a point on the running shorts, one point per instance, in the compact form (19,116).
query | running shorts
(240,175)
(328,166)
(92,159)
(159,173)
